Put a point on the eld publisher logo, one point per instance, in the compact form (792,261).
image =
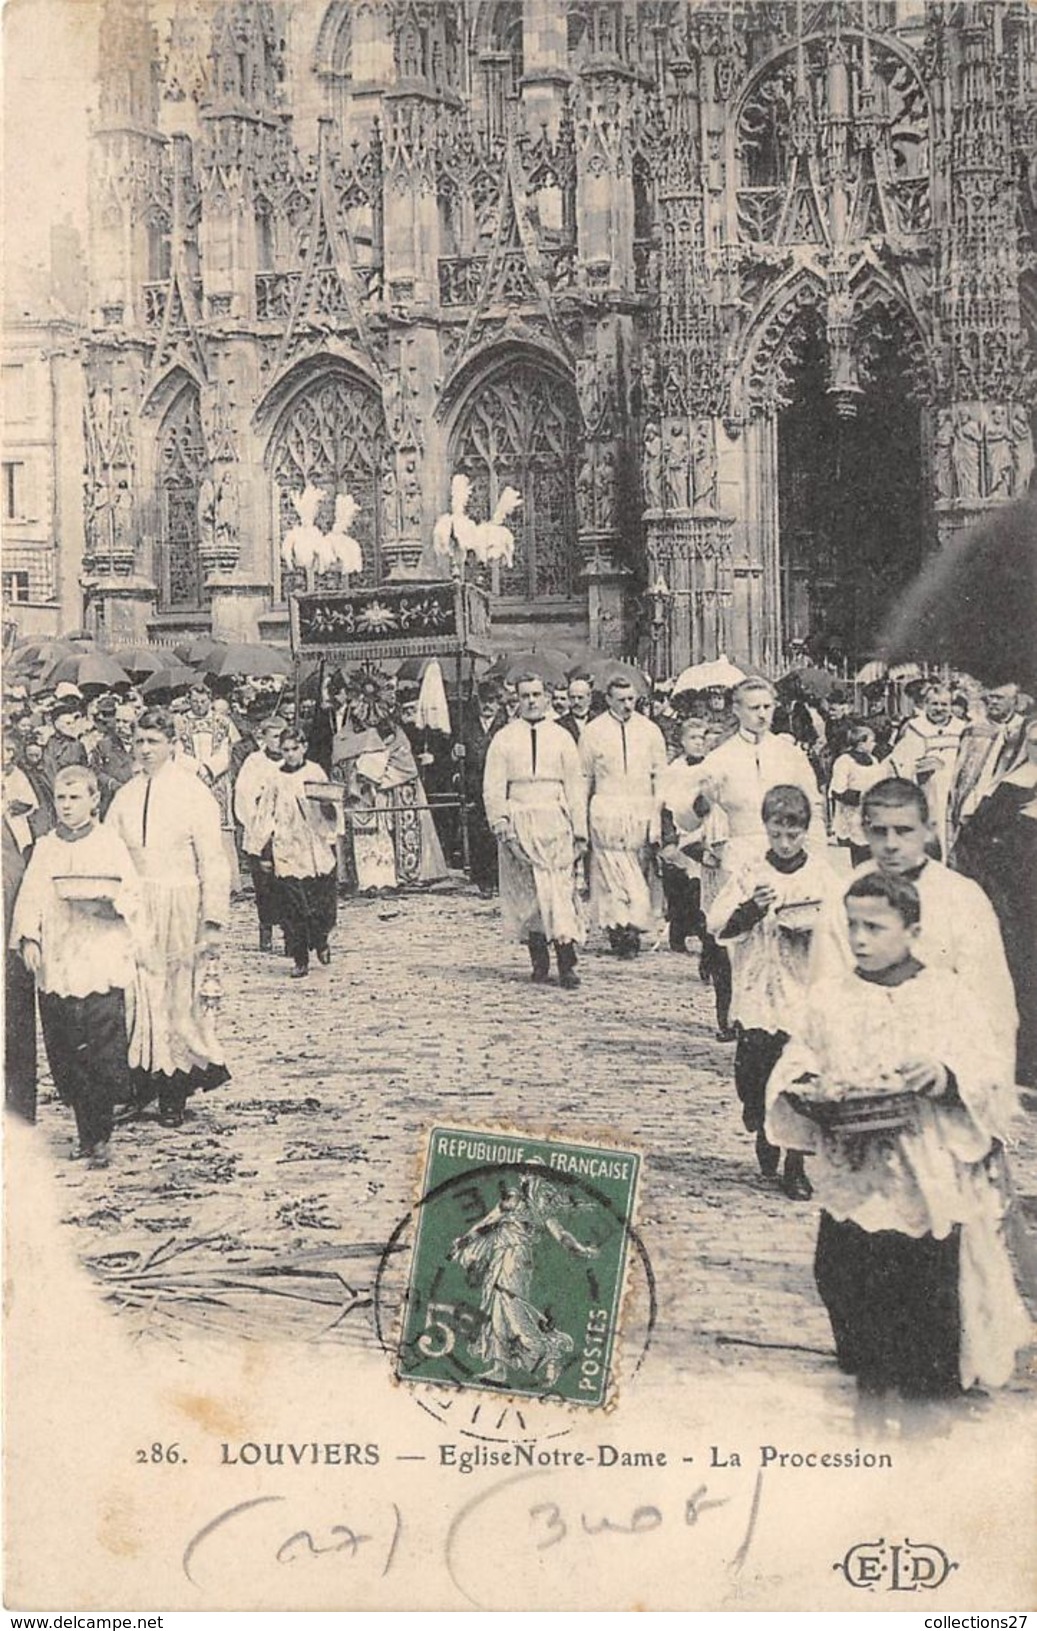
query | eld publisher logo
(909,1566)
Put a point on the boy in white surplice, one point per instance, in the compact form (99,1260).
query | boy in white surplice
(73,925)
(301,833)
(911,1261)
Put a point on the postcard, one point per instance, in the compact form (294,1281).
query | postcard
(495,1121)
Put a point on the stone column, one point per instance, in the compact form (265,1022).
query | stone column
(688,541)
(236,545)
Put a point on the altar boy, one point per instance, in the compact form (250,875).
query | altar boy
(894,1082)
(765,914)
(73,926)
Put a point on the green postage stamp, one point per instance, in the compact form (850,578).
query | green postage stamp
(516,1281)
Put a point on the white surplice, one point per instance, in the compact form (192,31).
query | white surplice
(939,1172)
(170,824)
(958,931)
(543,799)
(624,763)
(740,772)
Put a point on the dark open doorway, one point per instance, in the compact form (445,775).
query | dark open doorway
(852,505)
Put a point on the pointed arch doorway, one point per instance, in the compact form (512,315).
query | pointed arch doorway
(854,498)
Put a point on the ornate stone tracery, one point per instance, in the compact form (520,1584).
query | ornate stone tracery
(665,196)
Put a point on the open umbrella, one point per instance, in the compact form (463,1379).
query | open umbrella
(711,676)
(195,651)
(250,661)
(551,665)
(871,673)
(603,670)
(87,669)
(814,682)
(140,661)
(174,678)
(39,655)
(975,605)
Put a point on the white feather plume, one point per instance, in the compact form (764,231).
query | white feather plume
(346,511)
(508,501)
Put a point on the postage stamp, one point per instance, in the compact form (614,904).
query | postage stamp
(516,1278)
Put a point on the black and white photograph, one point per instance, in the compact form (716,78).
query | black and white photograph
(519,707)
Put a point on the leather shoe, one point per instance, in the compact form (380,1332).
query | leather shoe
(324,955)
(797,1186)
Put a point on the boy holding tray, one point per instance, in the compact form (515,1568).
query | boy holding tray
(73,928)
(765,914)
(894,1084)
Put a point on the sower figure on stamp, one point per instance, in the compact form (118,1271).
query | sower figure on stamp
(74,924)
(499,1252)
(536,805)
(623,757)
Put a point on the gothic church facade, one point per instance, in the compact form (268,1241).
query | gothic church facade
(740,297)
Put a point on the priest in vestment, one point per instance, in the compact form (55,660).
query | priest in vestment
(170,823)
(536,805)
(623,759)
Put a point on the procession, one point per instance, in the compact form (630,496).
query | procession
(838,864)
(518,620)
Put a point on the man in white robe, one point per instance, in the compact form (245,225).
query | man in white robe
(738,773)
(170,823)
(958,930)
(623,758)
(927,753)
(536,806)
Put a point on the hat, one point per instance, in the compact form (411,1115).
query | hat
(67,706)
(67,689)
(106,705)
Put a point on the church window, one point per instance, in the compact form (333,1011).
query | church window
(182,466)
(333,436)
(517,431)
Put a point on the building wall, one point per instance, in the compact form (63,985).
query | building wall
(41,490)
(580,250)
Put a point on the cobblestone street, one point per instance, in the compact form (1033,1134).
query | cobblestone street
(267,1213)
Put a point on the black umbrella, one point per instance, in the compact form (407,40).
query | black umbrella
(974,606)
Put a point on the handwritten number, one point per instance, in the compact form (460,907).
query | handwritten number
(696,1504)
(556,1526)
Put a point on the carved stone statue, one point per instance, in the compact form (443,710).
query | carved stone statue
(704,467)
(410,498)
(207,516)
(1022,436)
(652,466)
(1000,451)
(943,468)
(967,452)
(227,514)
(604,483)
(390,503)
(678,483)
(585,496)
